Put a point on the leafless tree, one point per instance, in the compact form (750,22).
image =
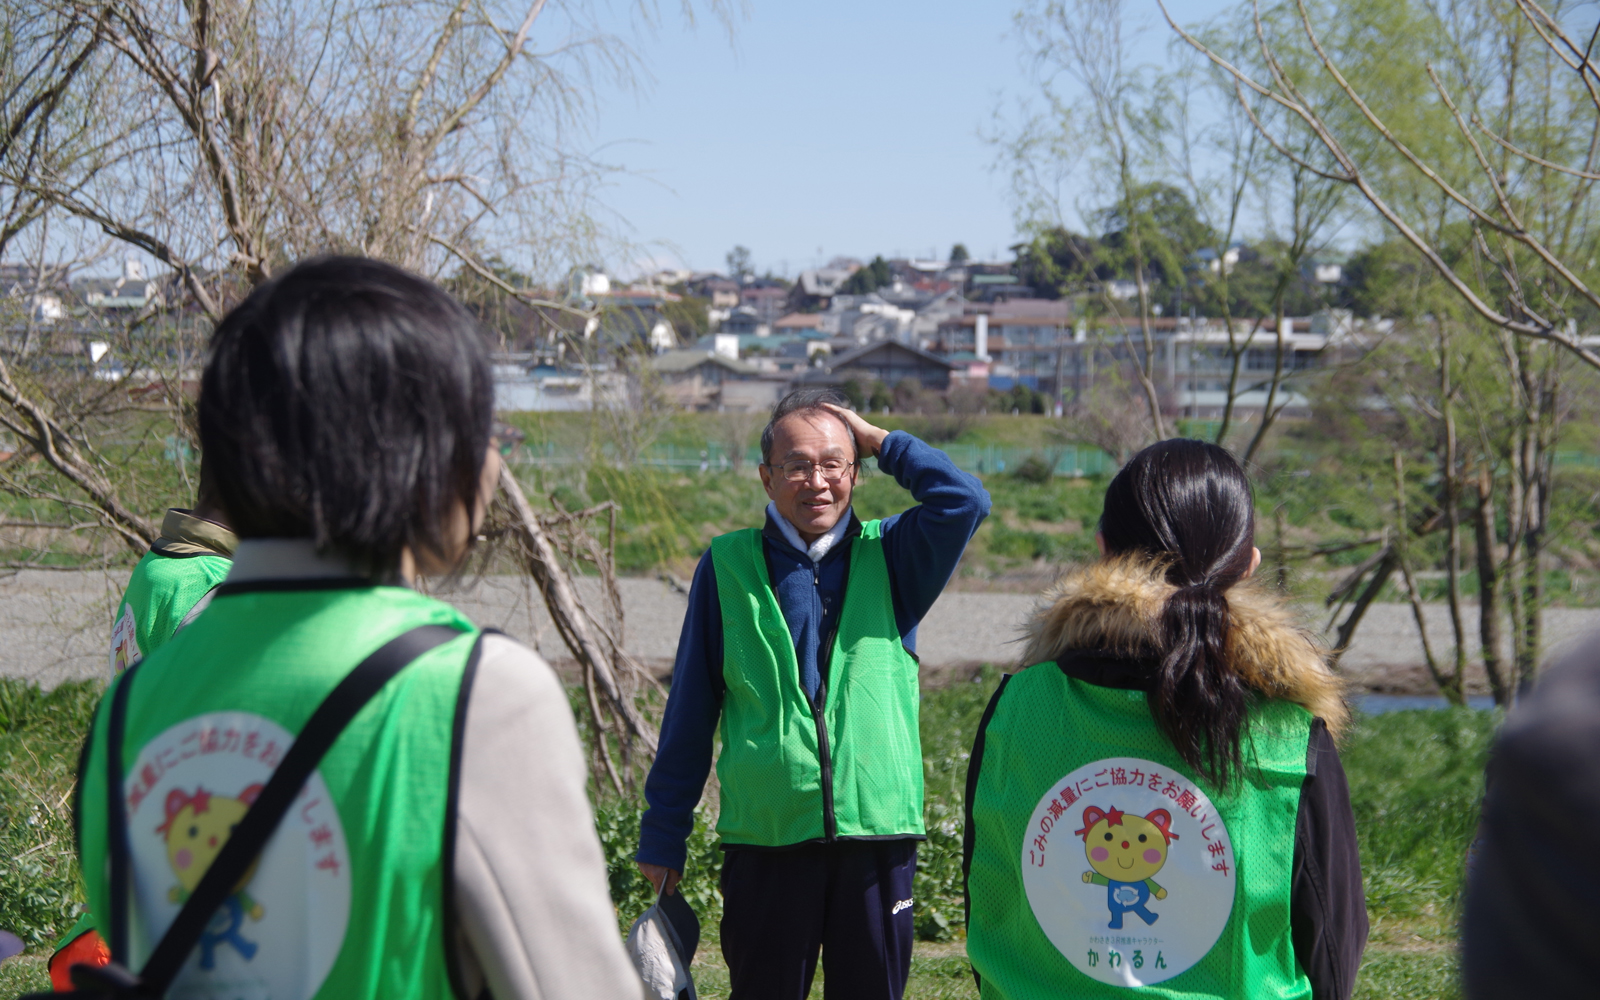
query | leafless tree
(1529,251)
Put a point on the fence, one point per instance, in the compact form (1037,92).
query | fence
(983,460)
(714,457)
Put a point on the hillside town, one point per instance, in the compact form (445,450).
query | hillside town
(901,333)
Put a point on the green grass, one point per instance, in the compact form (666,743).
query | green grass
(23,974)
(1415,780)
(40,734)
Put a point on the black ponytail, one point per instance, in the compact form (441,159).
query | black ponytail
(1190,504)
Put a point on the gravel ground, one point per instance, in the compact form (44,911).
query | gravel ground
(53,627)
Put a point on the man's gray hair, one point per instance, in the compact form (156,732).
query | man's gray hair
(807,400)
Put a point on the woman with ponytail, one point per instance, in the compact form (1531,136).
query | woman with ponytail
(1154,803)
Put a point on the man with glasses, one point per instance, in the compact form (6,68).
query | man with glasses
(799,639)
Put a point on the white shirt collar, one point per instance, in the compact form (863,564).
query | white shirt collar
(817,549)
(284,559)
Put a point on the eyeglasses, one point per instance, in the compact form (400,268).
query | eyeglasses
(800,471)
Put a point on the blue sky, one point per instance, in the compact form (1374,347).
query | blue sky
(825,128)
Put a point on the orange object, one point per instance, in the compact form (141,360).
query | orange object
(88,948)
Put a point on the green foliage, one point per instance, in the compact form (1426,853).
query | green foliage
(24,974)
(868,279)
(40,734)
(950,718)
(959,254)
(617,822)
(1058,262)
(1034,469)
(1154,225)
(855,391)
(1416,782)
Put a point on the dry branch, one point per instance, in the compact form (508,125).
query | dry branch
(570,616)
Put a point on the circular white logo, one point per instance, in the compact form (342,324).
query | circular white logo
(1129,871)
(279,932)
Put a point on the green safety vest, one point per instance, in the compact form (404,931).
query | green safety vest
(1097,863)
(849,765)
(349,898)
(190,558)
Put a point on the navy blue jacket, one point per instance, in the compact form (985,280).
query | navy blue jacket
(921,546)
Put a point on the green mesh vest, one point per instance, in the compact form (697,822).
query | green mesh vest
(791,771)
(348,899)
(161,592)
(1098,865)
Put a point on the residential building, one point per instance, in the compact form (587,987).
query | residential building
(132,290)
(799,322)
(1017,340)
(622,324)
(889,362)
(745,320)
(723,292)
(766,298)
(706,380)
(861,319)
(522,383)
(815,288)
(1194,360)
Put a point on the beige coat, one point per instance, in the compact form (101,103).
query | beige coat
(1115,605)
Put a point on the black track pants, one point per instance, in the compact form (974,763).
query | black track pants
(850,899)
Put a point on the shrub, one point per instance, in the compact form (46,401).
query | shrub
(1034,469)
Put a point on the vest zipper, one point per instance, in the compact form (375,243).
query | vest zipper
(830,827)
(830,824)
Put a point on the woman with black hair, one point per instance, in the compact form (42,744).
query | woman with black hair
(1155,802)
(442,843)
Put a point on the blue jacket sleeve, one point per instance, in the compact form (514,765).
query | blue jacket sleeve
(683,754)
(924,544)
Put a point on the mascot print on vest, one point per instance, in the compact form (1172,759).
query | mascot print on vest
(197,826)
(1131,819)
(281,928)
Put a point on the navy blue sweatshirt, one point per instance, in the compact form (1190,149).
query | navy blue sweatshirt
(921,546)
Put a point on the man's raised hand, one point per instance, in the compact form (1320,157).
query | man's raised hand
(869,439)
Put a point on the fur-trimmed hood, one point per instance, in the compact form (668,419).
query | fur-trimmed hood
(1115,605)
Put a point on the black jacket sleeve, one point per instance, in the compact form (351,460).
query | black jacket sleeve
(1327,904)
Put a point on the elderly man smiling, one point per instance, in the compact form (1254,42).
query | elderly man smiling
(799,636)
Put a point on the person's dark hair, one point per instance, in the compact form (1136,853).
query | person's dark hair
(808,400)
(205,494)
(349,402)
(1189,504)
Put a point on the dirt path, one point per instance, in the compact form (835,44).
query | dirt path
(53,627)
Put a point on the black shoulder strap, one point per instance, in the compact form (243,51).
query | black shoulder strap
(254,830)
(458,741)
(117,817)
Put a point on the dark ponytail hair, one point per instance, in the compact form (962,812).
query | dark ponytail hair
(1189,504)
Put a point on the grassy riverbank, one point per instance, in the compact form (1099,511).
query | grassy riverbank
(1415,779)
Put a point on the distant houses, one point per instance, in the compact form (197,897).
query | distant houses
(932,326)
(710,341)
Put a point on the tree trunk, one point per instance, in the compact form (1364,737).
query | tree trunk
(1381,572)
(1489,588)
(1451,691)
(1146,369)
(1452,512)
